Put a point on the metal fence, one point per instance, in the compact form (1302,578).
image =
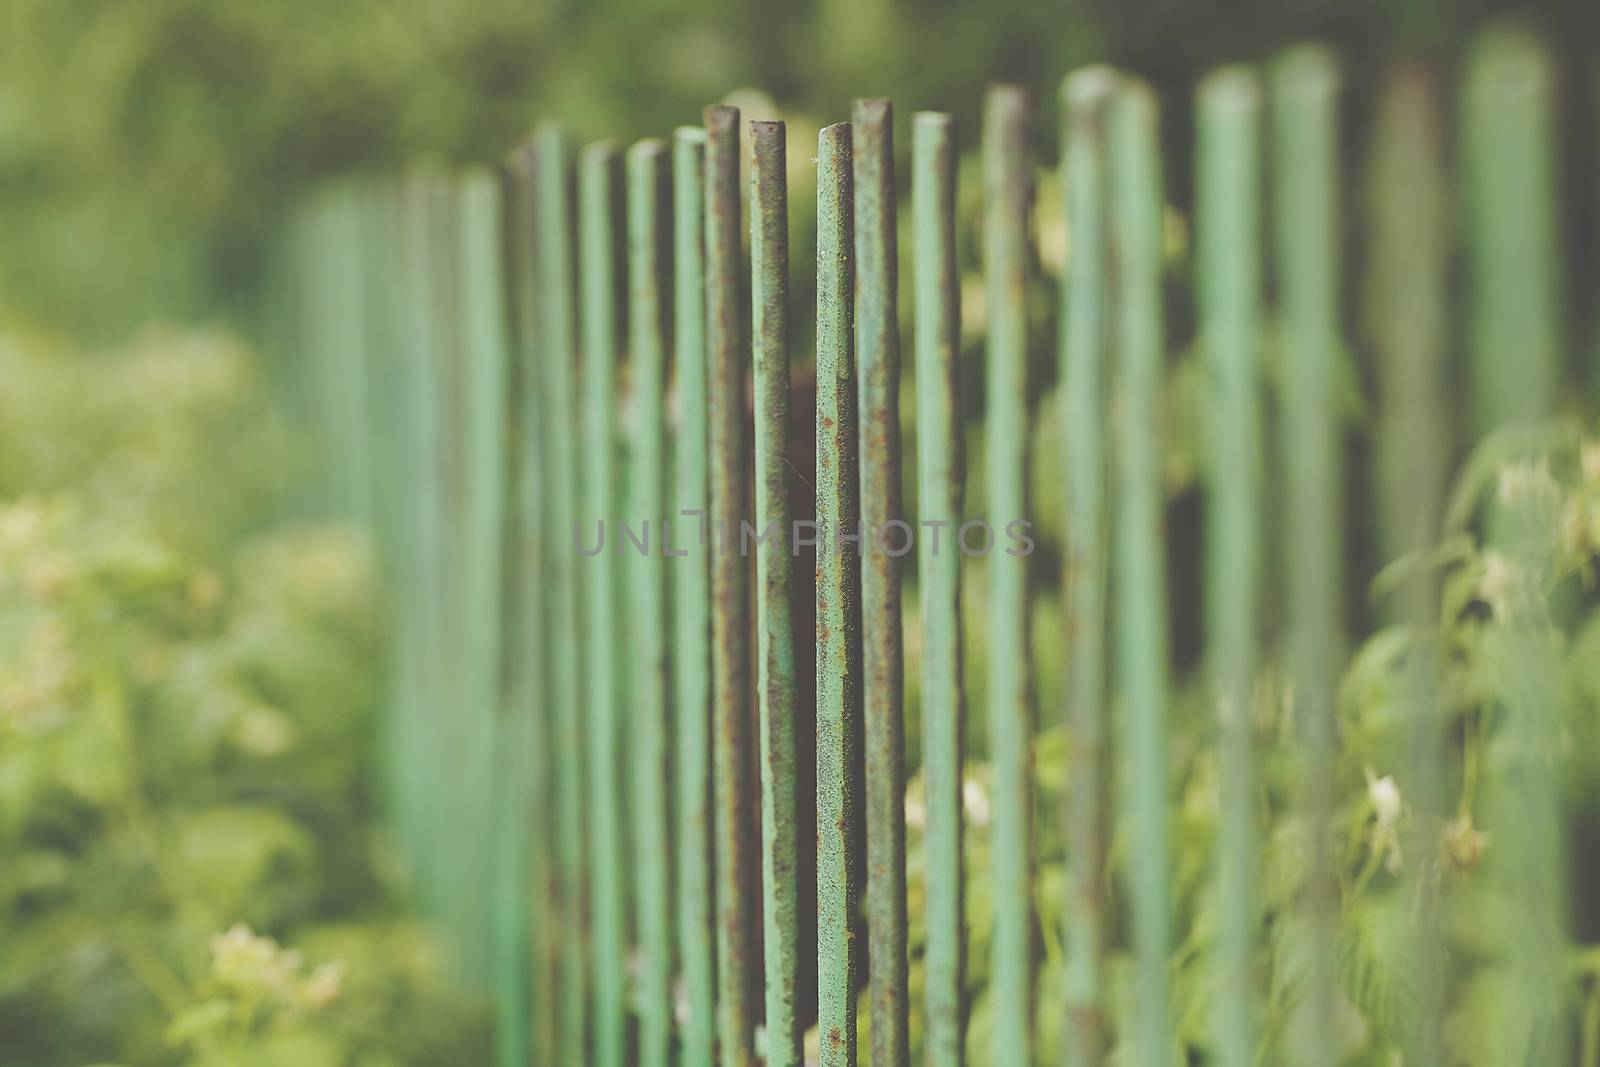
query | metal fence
(662,821)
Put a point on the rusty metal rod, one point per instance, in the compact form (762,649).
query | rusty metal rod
(939,482)
(1007,195)
(691,604)
(1086,97)
(1305,145)
(1406,310)
(888,538)
(556,320)
(727,354)
(1228,252)
(598,175)
(527,641)
(1142,663)
(838,604)
(648,718)
(775,681)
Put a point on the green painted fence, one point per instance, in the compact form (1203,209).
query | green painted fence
(604,764)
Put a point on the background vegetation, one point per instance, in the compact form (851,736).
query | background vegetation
(187,735)
(191,870)
(147,149)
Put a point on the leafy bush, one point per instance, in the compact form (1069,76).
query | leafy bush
(186,733)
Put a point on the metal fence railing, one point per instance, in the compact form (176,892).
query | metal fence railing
(646,566)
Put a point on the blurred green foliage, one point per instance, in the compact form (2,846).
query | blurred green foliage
(186,681)
(147,147)
(186,736)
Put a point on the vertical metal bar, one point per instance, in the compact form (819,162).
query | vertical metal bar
(775,680)
(454,852)
(440,387)
(484,394)
(485,456)
(317,257)
(391,447)
(1305,134)
(471,697)
(1228,241)
(1086,97)
(448,858)
(556,317)
(838,602)
(512,915)
(408,305)
(437,383)
(1141,633)
(498,768)
(1407,315)
(597,197)
(887,538)
(429,247)
(1514,268)
(362,357)
(295,371)
(433,424)
(526,644)
(727,357)
(343,330)
(1528,937)
(1007,195)
(1515,341)
(691,604)
(939,483)
(647,593)
(421,414)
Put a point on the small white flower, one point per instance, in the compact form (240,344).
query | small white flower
(682,1010)
(1500,576)
(1384,796)
(975,801)
(916,811)
(1528,485)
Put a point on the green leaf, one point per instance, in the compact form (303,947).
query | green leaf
(1376,966)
